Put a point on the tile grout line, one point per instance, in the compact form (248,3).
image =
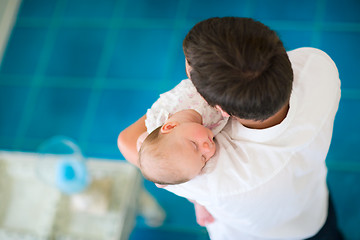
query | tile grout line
(350,93)
(13,80)
(176,41)
(63,82)
(164,23)
(333,165)
(97,88)
(318,23)
(249,8)
(350,167)
(38,78)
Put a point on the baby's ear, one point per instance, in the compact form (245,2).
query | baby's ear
(168,127)
(223,113)
(160,185)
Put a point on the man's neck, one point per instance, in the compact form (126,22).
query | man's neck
(270,122)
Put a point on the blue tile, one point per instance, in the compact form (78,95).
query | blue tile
(344,50)
(23,51)
(116,110)
(7,144)
(179,72)
(303,10)
(179,211)
(345,142)
(144,63)
(203,9)
(155,9)
(346,196)
(176,71)
(294,39)
(12,102)
(37,8)
(141,54)
(89,9)
(76,52)
(342,10)
(107,150)
(166,234)
(58,112)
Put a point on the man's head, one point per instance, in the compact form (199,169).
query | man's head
(176,152)
(239,65)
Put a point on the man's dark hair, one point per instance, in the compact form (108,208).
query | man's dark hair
(239,64)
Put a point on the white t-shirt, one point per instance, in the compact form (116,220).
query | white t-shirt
(271,183)
(183,96)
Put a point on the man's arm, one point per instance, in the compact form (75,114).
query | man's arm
(127,140)
(203,217)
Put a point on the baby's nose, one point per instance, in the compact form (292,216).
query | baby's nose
(206,147)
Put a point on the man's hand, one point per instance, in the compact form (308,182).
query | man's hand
(203,217)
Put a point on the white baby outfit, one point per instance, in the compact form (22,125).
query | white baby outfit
(183,96)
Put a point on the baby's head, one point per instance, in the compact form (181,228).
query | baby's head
(176,152)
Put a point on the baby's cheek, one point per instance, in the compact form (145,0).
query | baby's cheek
(214,151)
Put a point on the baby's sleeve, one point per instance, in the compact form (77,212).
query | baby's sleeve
(168,103)
(183,96)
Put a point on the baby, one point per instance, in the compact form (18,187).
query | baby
(181,144)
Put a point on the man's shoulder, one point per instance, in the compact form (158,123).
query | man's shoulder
(306,54)
(314,70)
(308,51)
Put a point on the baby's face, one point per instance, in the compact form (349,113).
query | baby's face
(193,146)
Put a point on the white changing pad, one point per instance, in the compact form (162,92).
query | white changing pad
(33,210)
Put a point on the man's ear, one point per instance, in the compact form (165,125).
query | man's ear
(160,185)
(168,127)
(187,68)
(223,113)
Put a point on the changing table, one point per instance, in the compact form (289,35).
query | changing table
(33,210)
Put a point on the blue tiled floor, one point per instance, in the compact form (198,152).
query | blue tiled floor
(89,68)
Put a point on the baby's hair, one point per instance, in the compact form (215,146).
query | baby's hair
(155,149)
